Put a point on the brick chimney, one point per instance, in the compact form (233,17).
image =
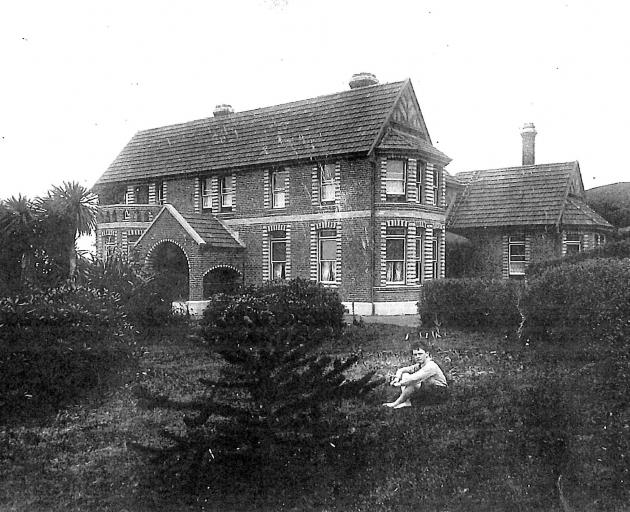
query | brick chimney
(528,132)
(362,80)
(223,110)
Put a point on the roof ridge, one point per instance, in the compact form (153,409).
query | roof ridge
(305,101)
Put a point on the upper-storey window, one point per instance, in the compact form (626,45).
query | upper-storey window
(278,189)
(227,193)
(420,176)
(436,186)
(206,193)
(141,194)
(395,179)
(395,254)
(516,255)
(327,183)
(159,192)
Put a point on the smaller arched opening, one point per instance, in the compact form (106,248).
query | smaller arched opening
(221,279)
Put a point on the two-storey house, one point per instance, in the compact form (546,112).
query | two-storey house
(345,189)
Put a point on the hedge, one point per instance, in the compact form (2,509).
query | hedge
(615,250)
(471,303)
(581,301)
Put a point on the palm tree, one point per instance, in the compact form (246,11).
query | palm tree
(18,227)
(70,212)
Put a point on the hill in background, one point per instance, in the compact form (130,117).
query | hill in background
(612,202)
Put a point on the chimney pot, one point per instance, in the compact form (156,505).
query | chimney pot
(223,110)
(528,132)
(362,80)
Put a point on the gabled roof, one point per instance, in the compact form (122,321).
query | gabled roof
(529,195)
(205,230)
(578,213)
(398,139)
(347,122)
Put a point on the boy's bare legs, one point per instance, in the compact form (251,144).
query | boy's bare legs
(405,394)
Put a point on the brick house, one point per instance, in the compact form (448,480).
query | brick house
(344,189)
(514,216)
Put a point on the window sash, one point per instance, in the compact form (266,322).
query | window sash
(435,255)
(395,255)
(418,263)
(227,192)
(327,257)
(159,192)
(278,196)
(327,182)
(206,193)
(395,177)
(420,174)
(516,256)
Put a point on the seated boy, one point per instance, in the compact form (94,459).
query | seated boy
(424,373)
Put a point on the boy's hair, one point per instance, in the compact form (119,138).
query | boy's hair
(416,345)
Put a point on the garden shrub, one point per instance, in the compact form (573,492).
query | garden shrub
(57,344)
(580,301)
(471,303)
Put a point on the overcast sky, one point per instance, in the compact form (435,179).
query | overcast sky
(80,78)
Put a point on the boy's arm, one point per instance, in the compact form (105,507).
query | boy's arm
(422,374)
(404,369)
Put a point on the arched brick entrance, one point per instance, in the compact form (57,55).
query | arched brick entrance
(168,260)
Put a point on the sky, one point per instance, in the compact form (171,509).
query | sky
(78,79)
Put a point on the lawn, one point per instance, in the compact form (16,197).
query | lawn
(524,429)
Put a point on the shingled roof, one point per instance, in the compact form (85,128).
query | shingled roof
(529,195)
(347,122)
(203,229)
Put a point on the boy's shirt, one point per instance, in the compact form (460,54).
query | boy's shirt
(430,373)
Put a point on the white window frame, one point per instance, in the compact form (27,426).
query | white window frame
(396,234)
(572,239)
(419,256)
(389,181)
(277,238)
(329,236)
(327,186)
(435,257)
(226,192)
(109,245)
(278,188)
(420,176)
(436,186)
(206,193)
(137,189)
(159,192)
(516,261)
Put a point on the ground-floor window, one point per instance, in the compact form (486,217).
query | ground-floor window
(599,239)
(572,244)
(327,255)
(516,255)
(109,244)
(395,254)
(435,257)
(278,254)
(418,257)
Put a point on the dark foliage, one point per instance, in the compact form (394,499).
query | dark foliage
(56,345)
(472,303)
(617,250)
(277,398)
(581,301)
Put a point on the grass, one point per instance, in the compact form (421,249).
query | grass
(524,429)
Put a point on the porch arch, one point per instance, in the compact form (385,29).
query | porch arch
(221,279)
(169,260)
